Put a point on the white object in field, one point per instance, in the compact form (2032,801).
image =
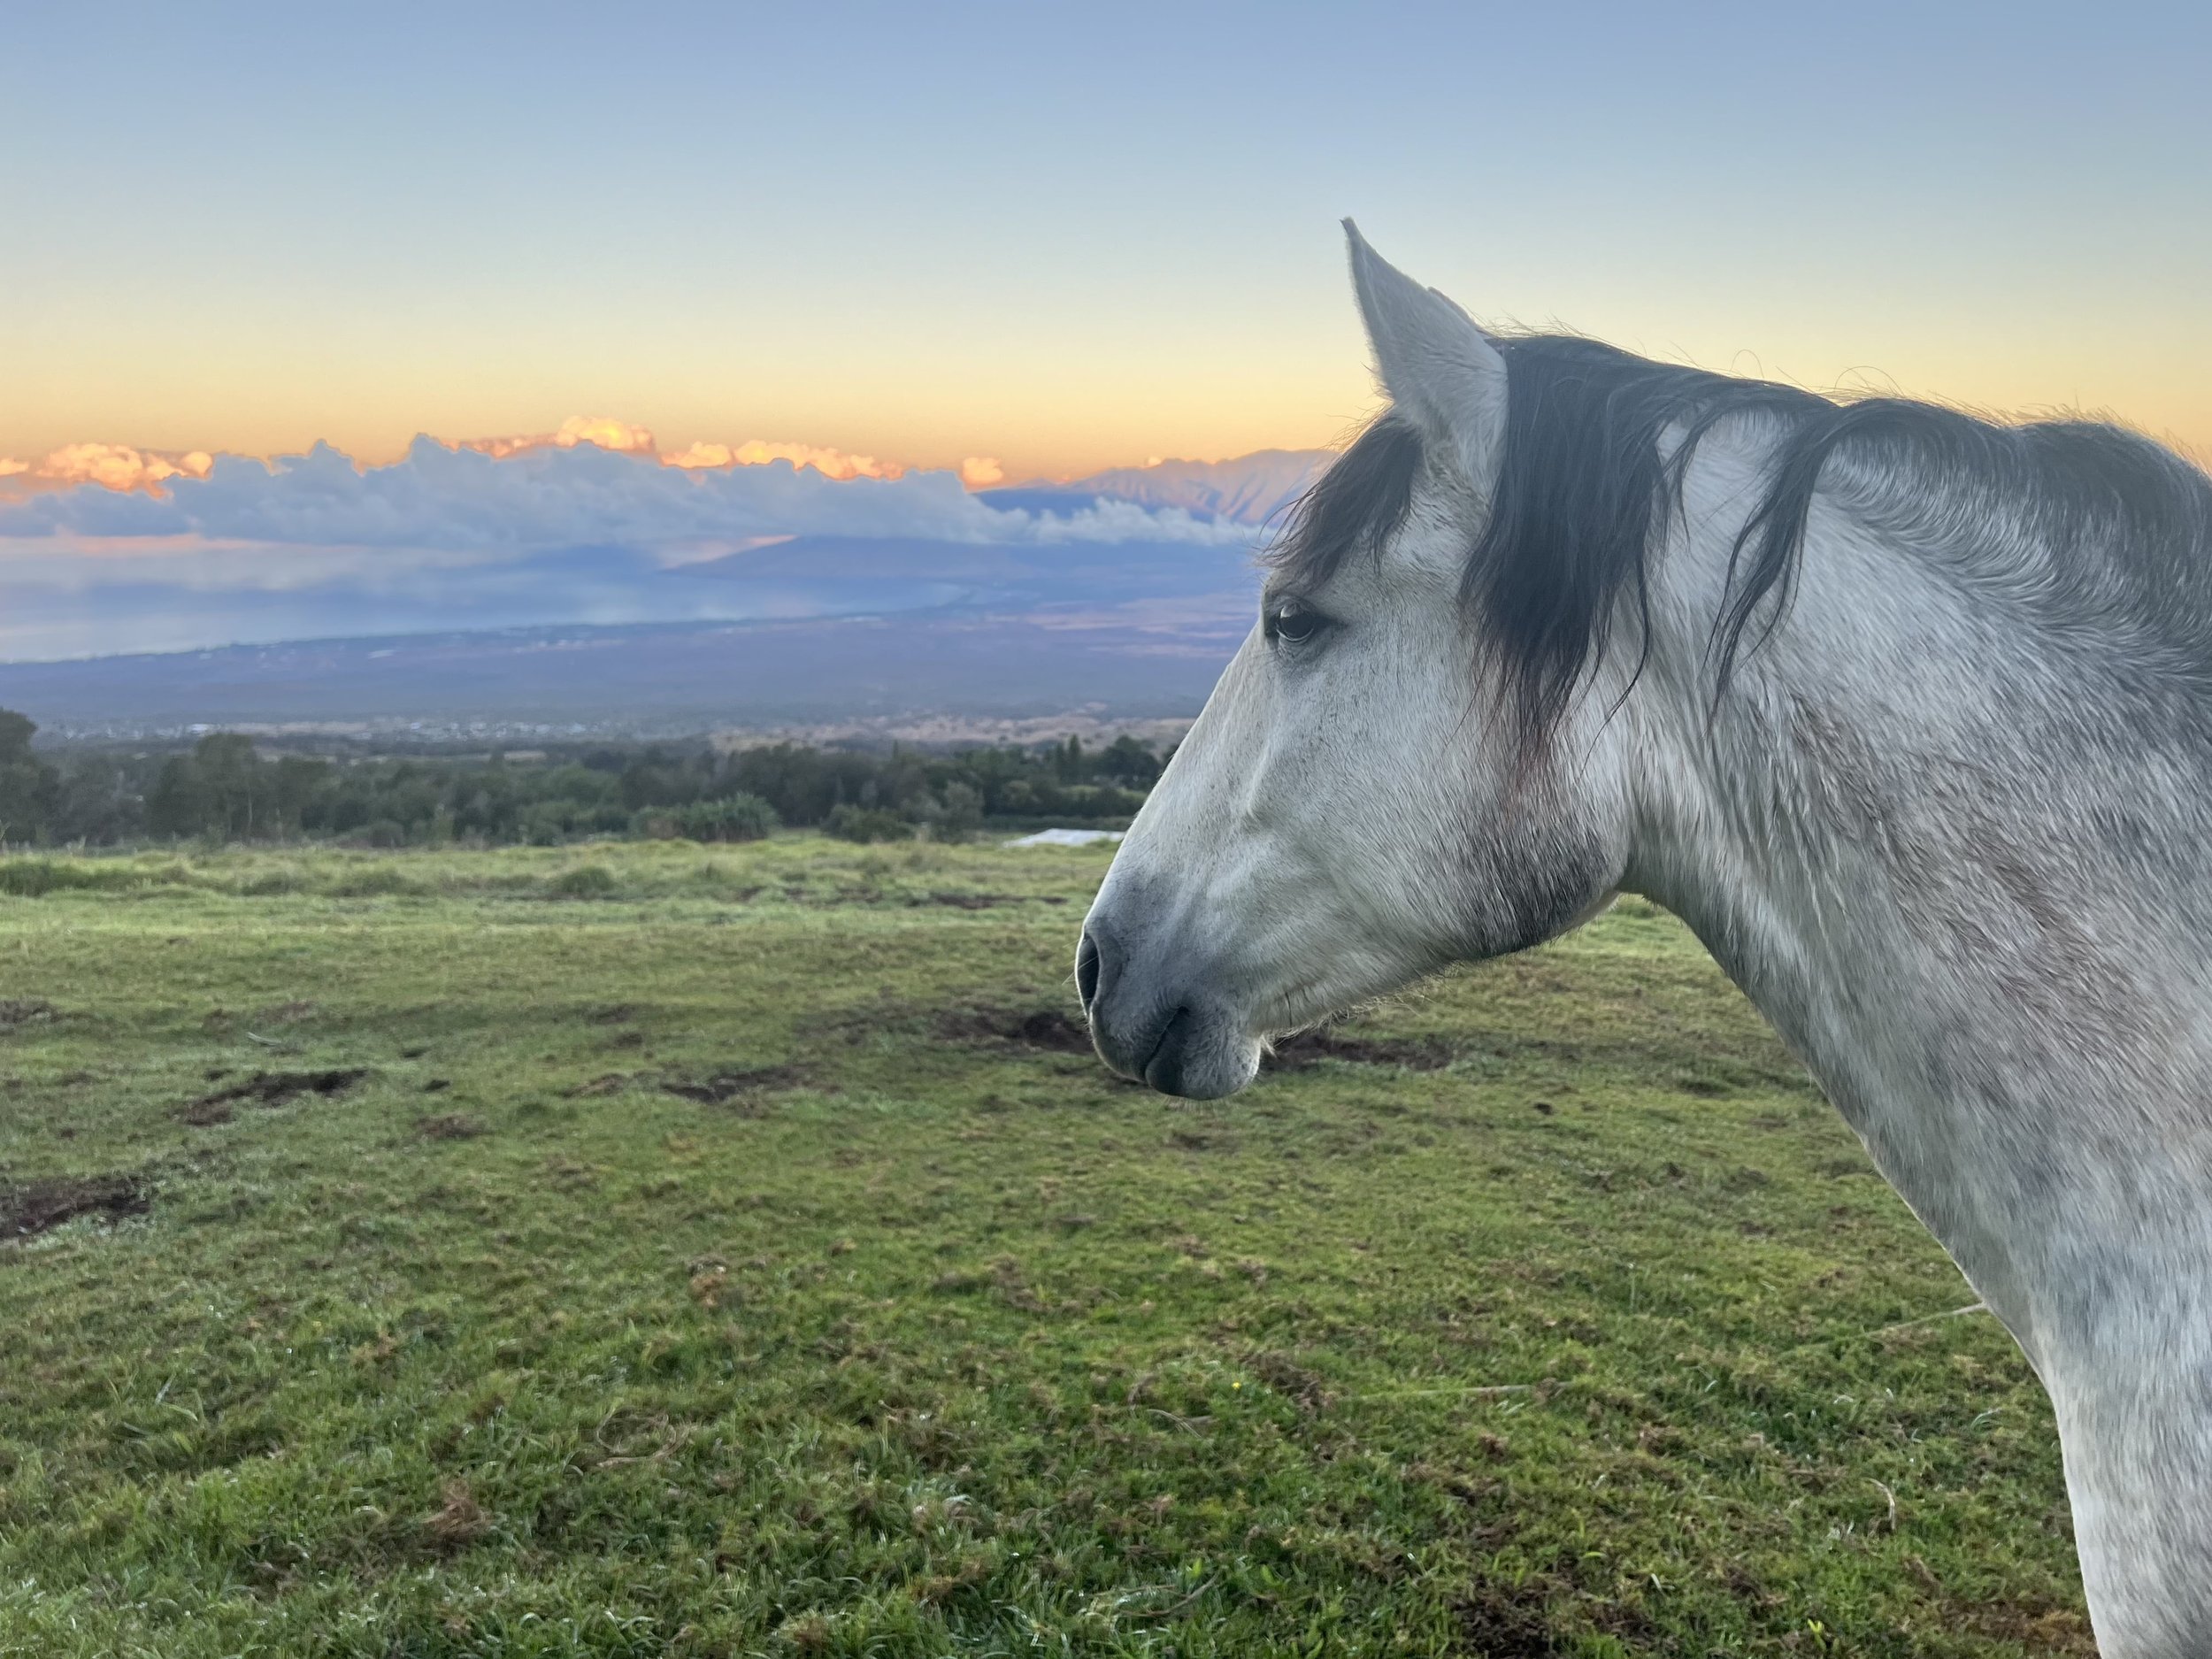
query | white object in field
(1066,838)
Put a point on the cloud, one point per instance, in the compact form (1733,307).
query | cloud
(980,471)
(759,452)
(621,437)
(604,431)
(116,549)
(113,466)
(556,495)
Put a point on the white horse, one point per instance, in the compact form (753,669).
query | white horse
(1907,715)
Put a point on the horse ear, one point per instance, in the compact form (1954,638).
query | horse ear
(1440,369)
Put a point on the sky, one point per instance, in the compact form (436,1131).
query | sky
(1044,239)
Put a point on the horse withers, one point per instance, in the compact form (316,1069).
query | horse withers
(1909,715)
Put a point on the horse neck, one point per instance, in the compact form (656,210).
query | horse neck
(1959,863)
(1931,852)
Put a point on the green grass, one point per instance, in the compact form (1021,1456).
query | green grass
(898,1334)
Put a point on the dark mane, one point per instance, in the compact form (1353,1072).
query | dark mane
(2075,523)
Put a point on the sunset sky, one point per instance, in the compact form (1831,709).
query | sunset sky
(1066,237)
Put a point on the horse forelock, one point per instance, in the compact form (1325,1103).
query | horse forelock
(1356,506)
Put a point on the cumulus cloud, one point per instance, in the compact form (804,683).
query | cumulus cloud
(113,466)
(113,548)
(621,437)
(604,430)
(759,452)
(980,471)
(557,496)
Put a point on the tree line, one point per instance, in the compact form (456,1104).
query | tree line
(225,788)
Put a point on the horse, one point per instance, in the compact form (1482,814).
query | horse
(1905,712)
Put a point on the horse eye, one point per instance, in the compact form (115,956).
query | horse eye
(1295,623)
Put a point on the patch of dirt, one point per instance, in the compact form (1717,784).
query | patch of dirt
(1048,1029)
(1055,1030)
(273,1089)
(1287,1376)
(206,1113)
(1308,1048)
(451,1126)
(744,1086)
(1704,1087)
(38,1207)
(964,901)
(612,1014)
(2037,1624)
(437,1085)
(1505,1622)
(287,1013)
(458,1522)
(25,1010)
(612,1083)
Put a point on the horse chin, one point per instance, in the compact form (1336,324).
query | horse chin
(1207,1065)
(1199,1053)
(1204,1067)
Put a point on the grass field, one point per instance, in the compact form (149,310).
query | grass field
(653,1249)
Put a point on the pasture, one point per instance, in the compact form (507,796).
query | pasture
(650,1249)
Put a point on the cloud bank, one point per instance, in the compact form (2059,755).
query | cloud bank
(116,466)
(561,489)
(107,549)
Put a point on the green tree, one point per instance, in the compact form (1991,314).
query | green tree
(28,786)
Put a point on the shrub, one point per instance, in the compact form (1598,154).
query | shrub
(586,882)
(867,824)
(544,824)
(742,817)
(376,881)
(31,877)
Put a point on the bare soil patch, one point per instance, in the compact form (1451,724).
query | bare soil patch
(451,1126)
(25,1010)
(741,1086)
(1055,1030)
(272,1088)
(964,901)
(1308,1048)
(38,1207)
(1508,1623)
(458,1522)
(1049,1029)
(1287,1376)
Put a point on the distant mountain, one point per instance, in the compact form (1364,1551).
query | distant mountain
(1252,490)
(813,629)
(1126,664)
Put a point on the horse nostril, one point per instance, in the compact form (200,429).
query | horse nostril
(1087,970)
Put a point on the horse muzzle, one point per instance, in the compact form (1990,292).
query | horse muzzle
(1155,1022)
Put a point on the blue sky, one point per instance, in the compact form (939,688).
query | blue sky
(1067,237)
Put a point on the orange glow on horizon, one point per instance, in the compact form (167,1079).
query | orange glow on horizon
(124,468)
